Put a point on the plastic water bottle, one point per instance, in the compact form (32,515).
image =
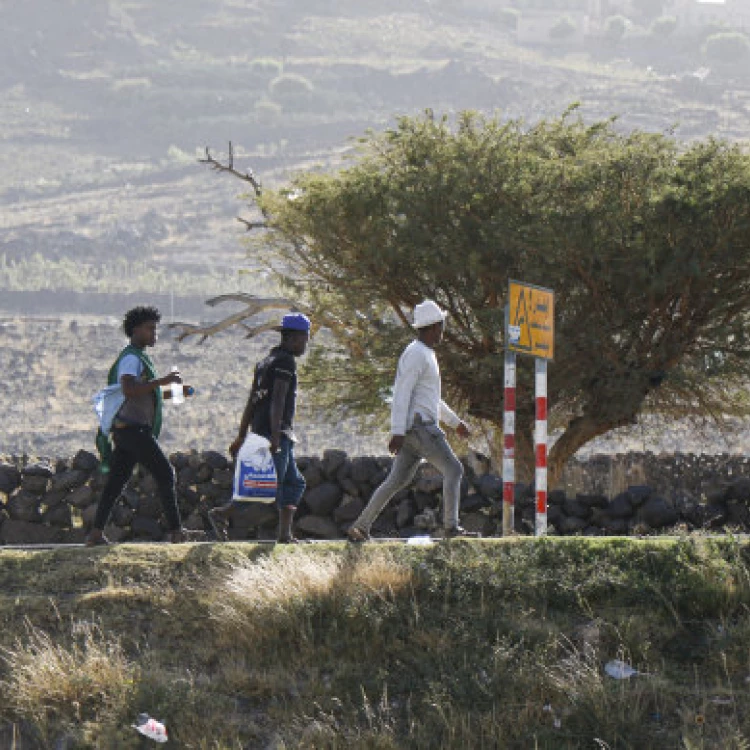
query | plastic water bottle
(178,395)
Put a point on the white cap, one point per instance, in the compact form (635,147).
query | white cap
(428,313)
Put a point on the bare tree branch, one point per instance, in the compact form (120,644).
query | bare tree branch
(218,166)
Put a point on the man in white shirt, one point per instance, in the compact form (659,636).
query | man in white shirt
(416,410)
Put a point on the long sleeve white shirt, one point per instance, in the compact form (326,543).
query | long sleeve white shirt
(417,390)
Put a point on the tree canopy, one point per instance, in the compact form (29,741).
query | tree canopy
(645,241)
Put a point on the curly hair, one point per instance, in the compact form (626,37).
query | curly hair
(136,316)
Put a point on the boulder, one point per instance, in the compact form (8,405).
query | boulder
(576,509)
(474,502)
(350,487)
(55,498)
(344,471)
(122,515)
(35,484)
(10,478)
(593,501)
(491,486)
(556,497)
(146,528)
(738,489)
(68,480)
(24,532)
(332,462)
(554,516)
(423,500)
(714,516)
(475,522)
(349,510)
(657,513)
(252,515)
(39,469)
(149,507)
(364,469)
(178,460)
(58,515)
(204,473)
(23,506)
(223,478)
(405,513)
(215,460)
(317,527)
(89,514)
(324,499)
(85,461)
(621,506)
(639,494)
(211,491)
(313,475)
(738,513)
(429,484)
(571,525)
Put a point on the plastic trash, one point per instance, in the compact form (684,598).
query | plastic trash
(255,473)
(151,728)
(619,670)
(420,540)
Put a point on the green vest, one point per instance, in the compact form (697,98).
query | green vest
(103,443)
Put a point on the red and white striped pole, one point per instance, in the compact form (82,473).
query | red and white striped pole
(540,446)
(509,444)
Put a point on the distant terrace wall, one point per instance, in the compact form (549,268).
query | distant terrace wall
(45,501)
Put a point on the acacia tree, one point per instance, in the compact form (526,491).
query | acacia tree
(646,243)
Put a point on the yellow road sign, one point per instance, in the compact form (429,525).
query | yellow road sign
(531,320)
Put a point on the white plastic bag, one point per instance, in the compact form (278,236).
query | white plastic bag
(107,403)
(255,472)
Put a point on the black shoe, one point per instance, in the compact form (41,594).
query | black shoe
(459,532)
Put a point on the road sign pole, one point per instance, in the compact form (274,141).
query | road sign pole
(540,446)
(509,443)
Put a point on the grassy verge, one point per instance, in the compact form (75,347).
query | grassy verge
(488,644)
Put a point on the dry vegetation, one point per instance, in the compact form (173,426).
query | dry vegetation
(484,645)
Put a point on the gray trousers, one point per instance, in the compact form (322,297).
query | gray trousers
(421,442)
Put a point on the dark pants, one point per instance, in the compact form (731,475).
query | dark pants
(137,445)
(291,482)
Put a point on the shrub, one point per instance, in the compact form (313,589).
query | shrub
(664,26)
(563,29)
(615,27)
(729,47)
(290,86)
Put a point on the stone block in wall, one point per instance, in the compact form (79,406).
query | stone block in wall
(474,502)
(621,506)
(323,500)
(423,500)
(593,501)
(58,515)
(149,506)
(491,486)
(179,460)
(313,475)
(146,528)
(55,497)
(554,515)
(25,532)
(122,515)
(556,497)
(224,478)
(194,460)
(217,461)
(364,469)
(252,515)
(349,509)
(405,513)
(576,509)
(714,516)
(204,473)
(344,471)
(332,462)
(616,526)
(657,513)
(68,480)
(318,527)
(85,461)
(639,493)
(738,489)
(738,513)
(116,534)
(429,485)
(350,487)
(194,522)
(39,469)
(35,484)
(212,492)
(10,478)
(89,514)
(24,506)
(475,522)
(571,525)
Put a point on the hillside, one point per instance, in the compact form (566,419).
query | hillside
(463,645)
(105,108)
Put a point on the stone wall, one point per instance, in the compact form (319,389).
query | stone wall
(44,501)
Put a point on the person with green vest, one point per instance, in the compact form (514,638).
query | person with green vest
(136,425)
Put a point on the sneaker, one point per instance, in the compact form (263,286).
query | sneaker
(459,532)
(357,536)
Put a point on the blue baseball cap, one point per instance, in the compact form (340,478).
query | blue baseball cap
(295,322)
